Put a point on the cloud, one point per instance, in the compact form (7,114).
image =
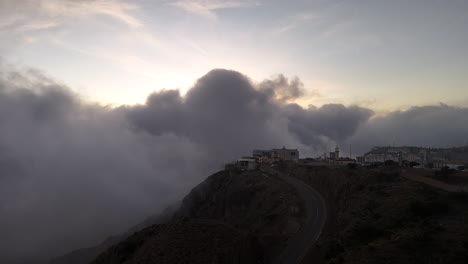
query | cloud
(73,173)
(282,89)
(296,21)
(226,105)
(207,8)
(37,26)
(222,106)
(427,126)
(9,20)
(32,13)
(116,9)
(332,121)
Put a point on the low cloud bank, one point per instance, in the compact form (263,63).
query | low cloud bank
(436,126)
(72,173)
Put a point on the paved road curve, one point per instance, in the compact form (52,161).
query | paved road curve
(299,244)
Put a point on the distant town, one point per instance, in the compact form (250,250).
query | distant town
(404,156)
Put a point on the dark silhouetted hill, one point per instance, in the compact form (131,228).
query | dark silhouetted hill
(232,217)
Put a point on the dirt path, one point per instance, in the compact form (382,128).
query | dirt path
(411,175)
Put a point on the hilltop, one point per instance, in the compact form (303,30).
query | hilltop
(232,217)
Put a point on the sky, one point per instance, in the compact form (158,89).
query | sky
(110,111)
(385,55)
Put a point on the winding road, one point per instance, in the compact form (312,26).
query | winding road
(299,244)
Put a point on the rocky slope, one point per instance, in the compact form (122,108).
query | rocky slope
(231,217)
(86,255)
(377,216)
(190,241)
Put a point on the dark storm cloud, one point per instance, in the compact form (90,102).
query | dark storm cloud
(72,173)
(333,121)
(225,106)
(162,113)
(431,126)
(223,112)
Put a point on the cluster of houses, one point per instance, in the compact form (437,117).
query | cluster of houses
(377,155)
(407,156)
(272,156)
(264,157)
(403,156)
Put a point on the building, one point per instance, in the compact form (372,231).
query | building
(413,158)
(438,163)
(335,155)
(282,154)
(375,158)
(361,160)
(258,153)
(335,158)
(285,154)
(392,157)
(426,157)
(246,163)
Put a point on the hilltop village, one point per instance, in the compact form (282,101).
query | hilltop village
(258,157)
(273,156)
(417,157)
(433,158)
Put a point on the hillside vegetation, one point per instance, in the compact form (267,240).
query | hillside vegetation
(377,216)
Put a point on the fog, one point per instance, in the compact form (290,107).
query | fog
(438,126)
(73,172)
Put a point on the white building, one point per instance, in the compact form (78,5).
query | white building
(247,163)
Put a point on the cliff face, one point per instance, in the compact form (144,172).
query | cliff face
(231,217)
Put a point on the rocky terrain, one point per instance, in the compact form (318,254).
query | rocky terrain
(377,216)
(86,255)
(190,241)
(232,217)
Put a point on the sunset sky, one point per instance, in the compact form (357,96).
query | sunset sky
(384,55)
